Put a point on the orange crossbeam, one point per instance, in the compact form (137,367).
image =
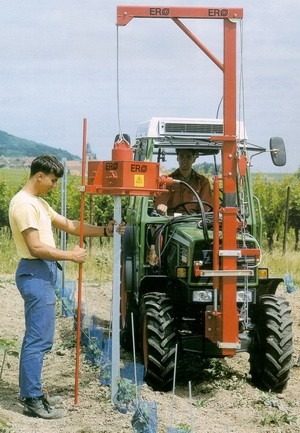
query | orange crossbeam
(126,13)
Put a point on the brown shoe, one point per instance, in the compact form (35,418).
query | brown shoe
(38,407)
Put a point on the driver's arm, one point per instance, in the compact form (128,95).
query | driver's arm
(162,209)
(161,202)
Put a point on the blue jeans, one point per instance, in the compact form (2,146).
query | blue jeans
(36,280)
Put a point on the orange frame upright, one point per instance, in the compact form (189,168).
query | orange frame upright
(223,323)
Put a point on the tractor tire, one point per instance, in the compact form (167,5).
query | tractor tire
(127,302)
(128,336)
(271,347)
(158,340)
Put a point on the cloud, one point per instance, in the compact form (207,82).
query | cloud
(59,64)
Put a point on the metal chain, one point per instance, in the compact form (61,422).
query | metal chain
(245,308)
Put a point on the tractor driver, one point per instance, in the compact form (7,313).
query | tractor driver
(178,193)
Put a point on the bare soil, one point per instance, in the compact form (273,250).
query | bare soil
(223,399)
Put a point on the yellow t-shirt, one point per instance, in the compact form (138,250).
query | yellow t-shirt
(29,211)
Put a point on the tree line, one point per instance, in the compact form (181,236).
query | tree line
(98,209)
(280,205)
(272,194)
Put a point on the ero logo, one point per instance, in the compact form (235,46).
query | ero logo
(159,11)
(111,166)
(136,168)
(217,12)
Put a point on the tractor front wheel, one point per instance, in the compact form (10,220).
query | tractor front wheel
(158,340)
(127,302)
(271,348)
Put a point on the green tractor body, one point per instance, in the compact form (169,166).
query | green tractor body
(171,289)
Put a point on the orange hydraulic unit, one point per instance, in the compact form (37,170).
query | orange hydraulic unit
(124,176)
(222,321)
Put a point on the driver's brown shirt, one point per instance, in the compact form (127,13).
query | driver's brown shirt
(179,193)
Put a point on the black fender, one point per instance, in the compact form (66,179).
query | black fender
(268,286)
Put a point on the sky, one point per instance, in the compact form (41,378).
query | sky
(59,65)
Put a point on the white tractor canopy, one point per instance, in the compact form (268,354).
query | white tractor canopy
(170,133)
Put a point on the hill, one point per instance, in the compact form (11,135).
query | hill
(12,147)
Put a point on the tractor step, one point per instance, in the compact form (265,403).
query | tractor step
(227,273)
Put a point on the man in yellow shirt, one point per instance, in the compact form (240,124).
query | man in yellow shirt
(31,220)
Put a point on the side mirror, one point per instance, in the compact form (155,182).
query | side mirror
(277,149)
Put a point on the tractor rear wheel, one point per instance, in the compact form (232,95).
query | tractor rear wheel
(158,340)
(272,347)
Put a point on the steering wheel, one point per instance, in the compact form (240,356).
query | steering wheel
(183,205)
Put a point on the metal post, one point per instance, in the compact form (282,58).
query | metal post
(115,369)
(63,235)
(286,221)
(80,268)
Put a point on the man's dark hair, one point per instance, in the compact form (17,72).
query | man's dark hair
(47,164)
(193,151)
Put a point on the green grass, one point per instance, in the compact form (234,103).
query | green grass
(273,412)
(99,265)
(8,253)
(14,176)
(280,264)
(97,268)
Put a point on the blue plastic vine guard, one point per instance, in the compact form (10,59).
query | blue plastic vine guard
(128,372)
(105,363)
(144,420)
(289,284)
(67,294)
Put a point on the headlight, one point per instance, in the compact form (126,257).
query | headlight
(203,296)
(263,273)
(181,272)
(242,296)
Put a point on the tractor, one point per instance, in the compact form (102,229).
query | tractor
(176,286)
(193,281)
